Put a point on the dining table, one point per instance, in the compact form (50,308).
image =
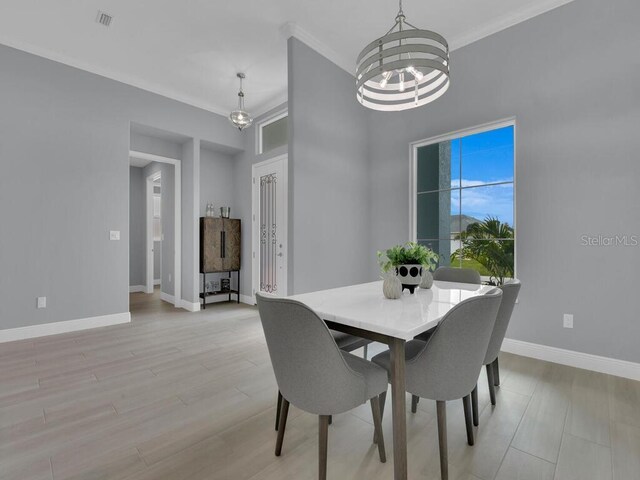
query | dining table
(362,310)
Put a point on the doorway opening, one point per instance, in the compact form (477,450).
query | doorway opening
(269,226)
(161,249)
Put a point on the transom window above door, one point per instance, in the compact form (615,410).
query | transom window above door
(464,199)
(273,132)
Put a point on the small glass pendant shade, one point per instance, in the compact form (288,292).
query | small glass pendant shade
(240,118)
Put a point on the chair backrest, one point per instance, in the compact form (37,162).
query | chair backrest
(449,365)
(510,292)
(311,372)
(461,275)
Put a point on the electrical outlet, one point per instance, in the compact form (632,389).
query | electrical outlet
(42,302)
(567,320)
(114,235)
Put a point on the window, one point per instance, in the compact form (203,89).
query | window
(273,133)
(464,200)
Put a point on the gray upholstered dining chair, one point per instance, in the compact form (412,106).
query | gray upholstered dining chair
(313,373)
(461,275)
(449,274)
(446,367)
(510,292)
(345,342)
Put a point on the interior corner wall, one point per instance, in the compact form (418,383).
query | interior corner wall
(577,167)
(64,151)
(329,177)
(190,220)
(137,227)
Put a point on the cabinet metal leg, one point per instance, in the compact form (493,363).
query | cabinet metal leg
(204,291)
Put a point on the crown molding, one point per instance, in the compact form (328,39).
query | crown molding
(292,29)
(509,20)
(266,107)
(113,75)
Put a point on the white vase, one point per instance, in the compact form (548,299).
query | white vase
(391,286)
(410,276)
(427,279)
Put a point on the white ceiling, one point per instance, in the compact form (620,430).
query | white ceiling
(191,50)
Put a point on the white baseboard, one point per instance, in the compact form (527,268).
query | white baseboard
(157,281)
(167,298)
(33,331)
(612,366)
(137,288)
(190,306)
(248,299)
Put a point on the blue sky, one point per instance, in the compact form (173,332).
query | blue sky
(480,159)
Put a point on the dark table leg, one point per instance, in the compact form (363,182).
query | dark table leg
(397,347)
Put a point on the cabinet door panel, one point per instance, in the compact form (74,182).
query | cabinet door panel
(210,243)
(232,244)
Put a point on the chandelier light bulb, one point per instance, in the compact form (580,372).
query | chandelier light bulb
(385,79)
(401,82)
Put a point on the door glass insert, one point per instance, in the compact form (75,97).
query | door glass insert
(268,233)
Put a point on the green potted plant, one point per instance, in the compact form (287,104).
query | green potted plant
(410,262)
(489,244)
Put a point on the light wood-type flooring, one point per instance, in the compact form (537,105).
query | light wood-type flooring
(177,395)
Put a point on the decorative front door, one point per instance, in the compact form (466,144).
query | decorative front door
(270,226)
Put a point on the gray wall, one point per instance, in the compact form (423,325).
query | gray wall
(137,226)
(329,175)
(570,77)
(167,209)
(64,143)
(216,181)
(156,146)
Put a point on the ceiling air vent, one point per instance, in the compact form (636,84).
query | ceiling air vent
(104,19)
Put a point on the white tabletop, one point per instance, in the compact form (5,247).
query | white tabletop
(364,306)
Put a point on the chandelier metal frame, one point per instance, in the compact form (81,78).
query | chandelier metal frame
(405,68)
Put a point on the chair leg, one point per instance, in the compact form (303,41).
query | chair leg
(382,398)
(496,372)
(278,408)
(466,404)
(322,446)
(441,408)
(283,423)
(377,424)
(365,351)
(414,403)
(474,405)
(492,385)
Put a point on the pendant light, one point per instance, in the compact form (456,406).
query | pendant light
(240,117)
(405,68)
